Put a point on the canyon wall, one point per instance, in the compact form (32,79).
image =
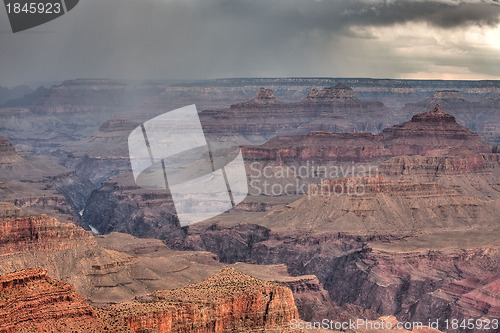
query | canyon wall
(228,301)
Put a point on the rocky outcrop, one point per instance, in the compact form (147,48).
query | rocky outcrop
(6,148)
(10,159)
(319,146)
(479,115)
(414,294)
(314,303)
(412,277)
(470,297)
(39,233)
(264,98)
(338,94)
(335,109)
(228,301)
(434,130)
(51,196)
(31,301)
(431,133)
(105,269)
(342,111)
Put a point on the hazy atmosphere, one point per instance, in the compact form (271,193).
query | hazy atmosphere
(195,39)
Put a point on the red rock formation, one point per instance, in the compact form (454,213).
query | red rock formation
(374,205)
(30,301)
(484,299)
(227,301)
(433,133)
(480,116)
(39,233)
(379,184)
(433,165)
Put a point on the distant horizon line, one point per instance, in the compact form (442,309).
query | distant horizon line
(174,81)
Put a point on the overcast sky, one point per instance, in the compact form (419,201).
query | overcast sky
(198,39)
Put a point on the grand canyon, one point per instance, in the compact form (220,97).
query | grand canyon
(368,199)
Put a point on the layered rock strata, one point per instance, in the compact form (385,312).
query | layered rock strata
(228,301)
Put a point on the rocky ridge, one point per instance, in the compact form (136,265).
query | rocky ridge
(112,268)
(264,98)
(39,233)
(335,109)
(338,94)
(227,301)
(31,301)
(479,115)
(431,133)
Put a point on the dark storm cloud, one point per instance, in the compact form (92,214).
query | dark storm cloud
(441,14)
(331,14)
(220,38)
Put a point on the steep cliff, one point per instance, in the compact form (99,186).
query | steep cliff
(410,275)
(40,233)
(225,302)
(120,205)
(30,301)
